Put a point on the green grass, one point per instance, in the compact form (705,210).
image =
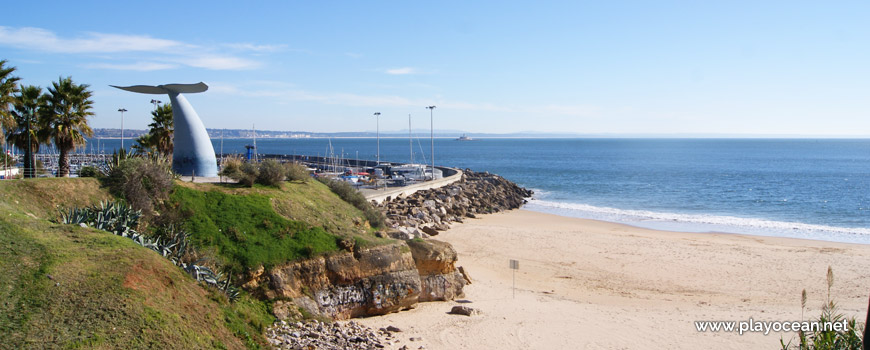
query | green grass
(43,197)
(245,231)
(104,291)
(311,202)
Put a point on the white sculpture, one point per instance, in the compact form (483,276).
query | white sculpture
(193,153)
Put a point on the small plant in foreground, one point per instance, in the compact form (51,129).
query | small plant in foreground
(848,339)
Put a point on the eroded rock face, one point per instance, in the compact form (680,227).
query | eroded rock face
(370,281)
(436,263)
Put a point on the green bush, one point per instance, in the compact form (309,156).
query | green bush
(89,171)
(143,182)
(271,173)
(296,172)
(247,175)
(230,167)
(374,216)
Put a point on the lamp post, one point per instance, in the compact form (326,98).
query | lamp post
(122,110)
(378,126)
(155,103)
(432,138)
(28,165)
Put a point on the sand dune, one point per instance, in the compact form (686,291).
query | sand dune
(586,284)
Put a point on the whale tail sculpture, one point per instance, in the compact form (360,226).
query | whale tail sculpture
(193,152)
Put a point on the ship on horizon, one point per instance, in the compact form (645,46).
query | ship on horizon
(464,138)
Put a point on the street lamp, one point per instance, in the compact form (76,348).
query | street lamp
(432,138)
(378,126)
(28,164)
(122,110)
(155,103)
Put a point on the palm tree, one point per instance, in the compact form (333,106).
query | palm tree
(162,129)
(8,88)
(65,119)
(28,103)
(159,138)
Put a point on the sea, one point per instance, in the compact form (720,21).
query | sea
(801,188)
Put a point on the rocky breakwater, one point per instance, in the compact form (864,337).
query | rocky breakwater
(424,213)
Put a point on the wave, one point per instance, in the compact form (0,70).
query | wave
(703,222)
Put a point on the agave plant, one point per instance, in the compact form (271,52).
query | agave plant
(120,219)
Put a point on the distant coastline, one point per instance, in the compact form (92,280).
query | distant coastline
(109,133)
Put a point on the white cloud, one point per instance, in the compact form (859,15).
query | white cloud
(216,62)
(255,47)
(138,66)
(44,40)
(402,71)
(171,53)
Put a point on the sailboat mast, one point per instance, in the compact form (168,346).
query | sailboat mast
(410,141)
(254,131)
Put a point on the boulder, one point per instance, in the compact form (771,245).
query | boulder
(430,230)
(464,310)
(435,262)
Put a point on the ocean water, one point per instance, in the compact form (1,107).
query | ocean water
(803,188)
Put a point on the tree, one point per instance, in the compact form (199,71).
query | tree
(8,88)
(159,137)
(28,103)
(65,119)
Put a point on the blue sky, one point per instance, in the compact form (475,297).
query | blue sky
(616,67)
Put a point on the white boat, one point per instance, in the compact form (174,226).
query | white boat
(415,172)
(464,138)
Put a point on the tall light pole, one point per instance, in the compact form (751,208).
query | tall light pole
(28,164)
(432,138)
(122,110)
(378,126)
(155,103)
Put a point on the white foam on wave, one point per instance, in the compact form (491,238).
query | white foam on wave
(704,223)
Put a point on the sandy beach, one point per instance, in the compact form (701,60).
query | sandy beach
(586,284)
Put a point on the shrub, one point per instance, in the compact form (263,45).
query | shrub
(271,173)
(230,167)
(144,183)
(243,172)
(296,172)
(247,174)
(89,171)
(374,216)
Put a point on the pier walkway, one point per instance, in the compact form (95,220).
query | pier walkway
(379,195)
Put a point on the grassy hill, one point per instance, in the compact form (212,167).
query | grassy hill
(71,287)
(246,228)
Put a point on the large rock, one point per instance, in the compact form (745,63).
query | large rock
(368,282)
(436,263)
